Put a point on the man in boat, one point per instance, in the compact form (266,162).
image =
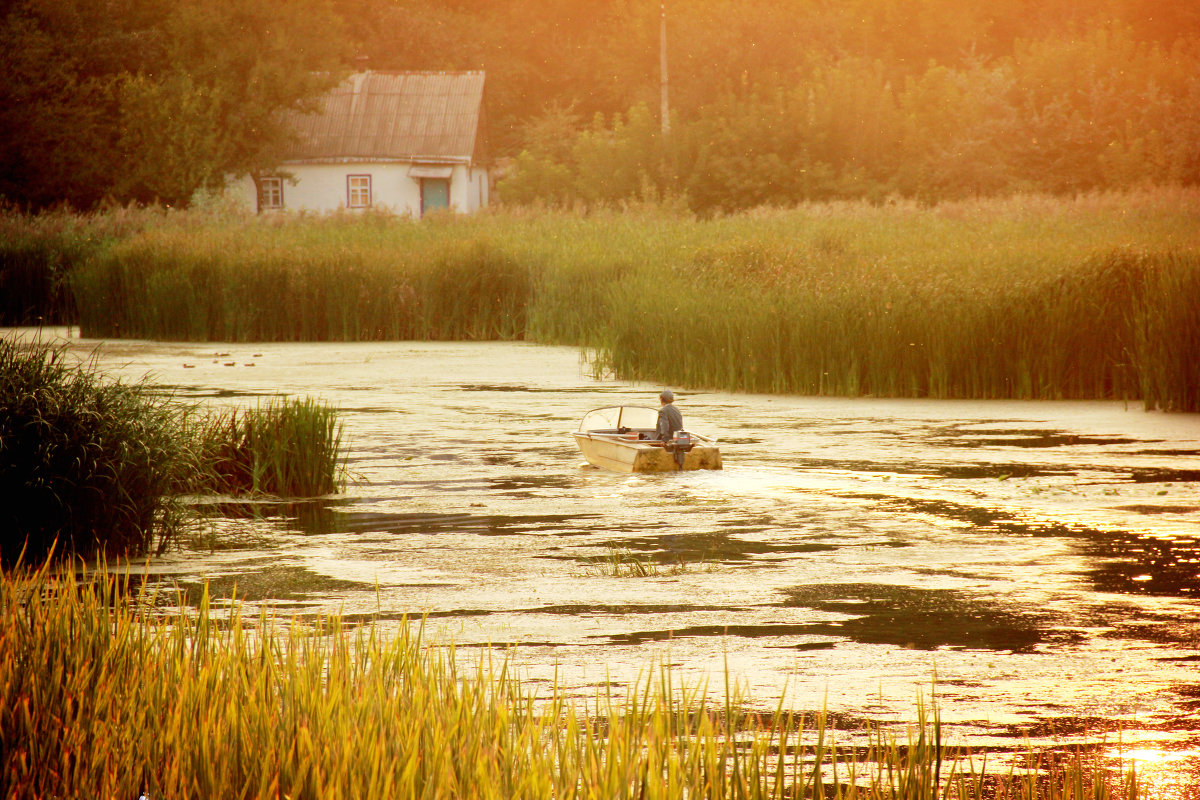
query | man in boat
(669,418)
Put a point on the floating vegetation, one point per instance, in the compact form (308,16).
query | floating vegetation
(106,691)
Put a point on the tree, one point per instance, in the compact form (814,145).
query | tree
(151,99)
(215,111)
(58,102)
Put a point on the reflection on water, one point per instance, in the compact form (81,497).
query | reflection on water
(1042,558)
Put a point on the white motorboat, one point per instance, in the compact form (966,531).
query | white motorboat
(623,438)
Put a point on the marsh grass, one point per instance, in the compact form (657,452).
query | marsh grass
(340,280)
(91,466)
(36,256)
(618,562)
(1166,334)
(87,466)
(285,447)
(1026,297)
(1101,329)
(38,253)
(106,691)
(622,563)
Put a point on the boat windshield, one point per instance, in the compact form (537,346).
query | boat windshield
(613,417)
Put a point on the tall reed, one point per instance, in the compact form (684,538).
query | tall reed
(102,694)
(91,464)
(285,447)
(1166,331)
(239,282)
(38,253)
(1091,297)
(36,257)
(1085,330)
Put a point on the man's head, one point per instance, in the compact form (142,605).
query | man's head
(666,396)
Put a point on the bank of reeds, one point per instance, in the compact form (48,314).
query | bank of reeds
(284,447)
(1118,324)
(336,281)
(1166,334)
(91,466)
(106,692)
(1091,297)
(36,259)
(38,253)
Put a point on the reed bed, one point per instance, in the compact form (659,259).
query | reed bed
(38,253)
(1117,325)
(91,466)
(285,447)
(1028,297)
(108,691)
(87,466)
(247,282)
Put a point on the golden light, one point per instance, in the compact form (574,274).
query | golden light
(1161,773)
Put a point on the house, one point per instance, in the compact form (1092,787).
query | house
(405,142)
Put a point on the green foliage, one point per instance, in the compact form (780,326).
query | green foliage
(150,100)
(1025,298)
(89,467)
(106,693)
(232,67)
(57,99)
(94,467)
(288,448)
(1058,114)
(773,102)
(170,138)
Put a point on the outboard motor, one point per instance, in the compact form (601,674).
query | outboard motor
(679,446)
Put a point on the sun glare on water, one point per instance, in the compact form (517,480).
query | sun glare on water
(1162,773)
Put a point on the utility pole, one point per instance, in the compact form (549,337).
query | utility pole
(662,61)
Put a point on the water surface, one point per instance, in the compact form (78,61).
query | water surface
(1041,559)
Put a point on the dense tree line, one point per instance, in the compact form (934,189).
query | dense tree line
(150,100)
(772,101)
(1095,110)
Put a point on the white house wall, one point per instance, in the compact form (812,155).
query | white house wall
(323,187)
(471,189)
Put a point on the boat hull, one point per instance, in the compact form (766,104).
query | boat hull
(622,454)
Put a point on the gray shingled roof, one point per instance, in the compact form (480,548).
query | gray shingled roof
(395,116)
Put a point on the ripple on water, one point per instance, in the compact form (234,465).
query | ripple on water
(1042,557)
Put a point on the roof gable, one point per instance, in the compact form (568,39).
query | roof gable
(395,116)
